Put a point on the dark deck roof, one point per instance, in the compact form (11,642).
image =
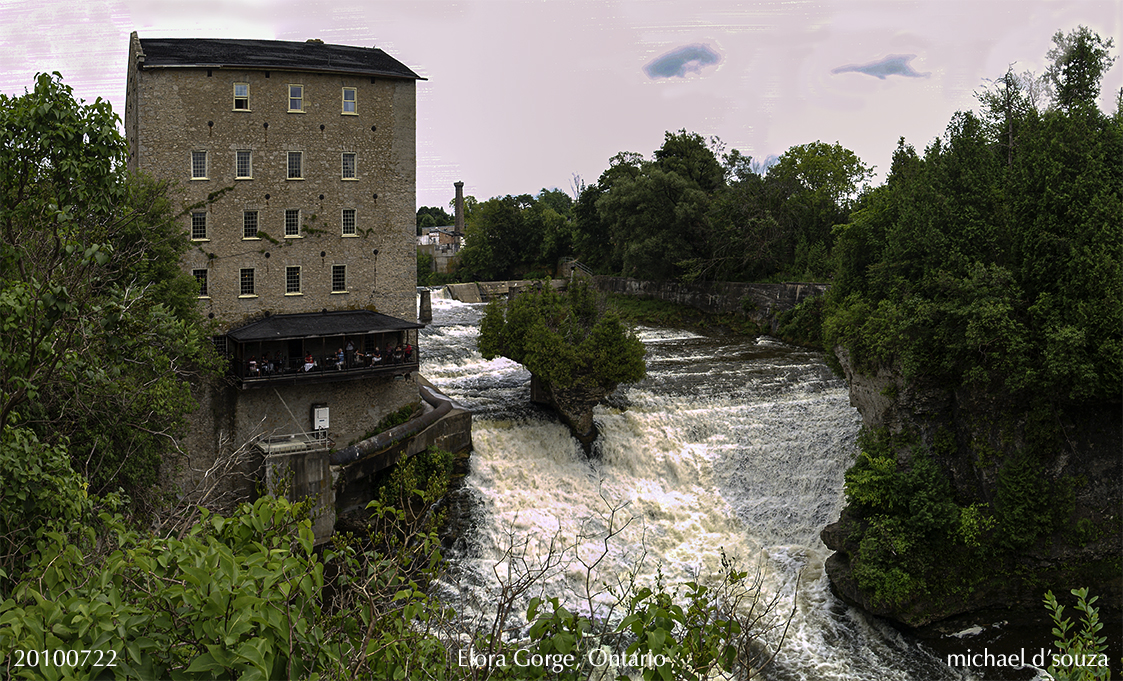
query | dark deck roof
(318,324)
(271,54)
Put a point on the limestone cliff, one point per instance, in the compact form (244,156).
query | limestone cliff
(978,439)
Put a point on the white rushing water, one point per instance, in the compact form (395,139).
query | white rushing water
(730,446)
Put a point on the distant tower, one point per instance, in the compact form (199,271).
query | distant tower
(459,207)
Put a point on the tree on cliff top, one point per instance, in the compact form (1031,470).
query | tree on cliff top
(568,341)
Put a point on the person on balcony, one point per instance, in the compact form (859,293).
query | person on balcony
(252,366)
(398,355)
(309,363)
(409,352)
(339,359)
(376,357)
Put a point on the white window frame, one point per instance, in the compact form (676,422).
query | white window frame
(299,156)
(295,235)
(354,166)
(201,277)
(196,155)
(196,218)
(353,101)
(242,283)
(342,269)
(244,98)
(251,216)
(288,281)
(238,155)
(299,98)
(348,212)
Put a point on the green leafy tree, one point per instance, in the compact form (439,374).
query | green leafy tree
(432,216)
(497,238)
(101,327)
(988,269)
(567,340)
(1080,59)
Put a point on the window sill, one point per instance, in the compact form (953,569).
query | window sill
(203,297)
(194,179)
(299,111)
(350,236)
(294,236)
(338,293)
(350,179)
(348,113)
(294,179)
(242,110)
(248,177)
(200,240)
(294,294)
(251,238)
(251,295)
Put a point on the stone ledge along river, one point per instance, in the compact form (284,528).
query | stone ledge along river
(731,445)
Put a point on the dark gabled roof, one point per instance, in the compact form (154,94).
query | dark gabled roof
(271,54)
(318,324)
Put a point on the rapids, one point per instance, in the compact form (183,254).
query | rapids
(731,446)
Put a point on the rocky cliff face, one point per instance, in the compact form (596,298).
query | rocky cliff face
(977,440)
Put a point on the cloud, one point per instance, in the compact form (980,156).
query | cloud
(677,63)
(892,65)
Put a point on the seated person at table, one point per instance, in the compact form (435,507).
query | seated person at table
(376,357)
(309,363)
(397,354)
(409,352)
(339,358)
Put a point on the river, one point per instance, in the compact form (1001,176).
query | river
(731,445)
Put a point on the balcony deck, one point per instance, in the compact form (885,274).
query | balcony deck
(323,372)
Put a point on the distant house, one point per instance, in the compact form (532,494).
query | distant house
(442,243)
(298,162)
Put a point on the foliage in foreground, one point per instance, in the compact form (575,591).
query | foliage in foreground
(1081,652)
(99,326)
(247,597)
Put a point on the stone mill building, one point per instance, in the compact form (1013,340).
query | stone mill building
(297,165)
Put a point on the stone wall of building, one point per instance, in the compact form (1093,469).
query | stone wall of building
(172,113)
(362,161)
(217,460)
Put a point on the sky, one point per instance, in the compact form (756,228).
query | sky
(524,95)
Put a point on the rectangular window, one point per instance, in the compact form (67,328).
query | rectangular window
(296,98)
(292,222)
(198,226)
(348,100)
(241,96)
(292,280)
(245,279)
(243,165)
(220,344)
(296,169)
(348,222)
(198,165)
(338,278)
(249,224)
(201,279)
(349,166)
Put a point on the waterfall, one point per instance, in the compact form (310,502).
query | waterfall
(730,446)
